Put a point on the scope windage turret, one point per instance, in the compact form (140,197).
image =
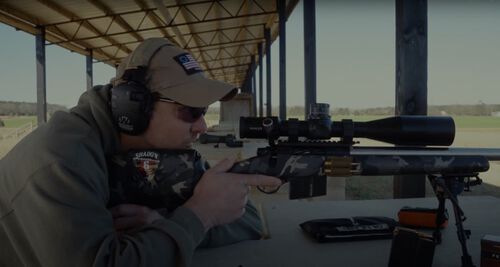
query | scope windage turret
(398,130)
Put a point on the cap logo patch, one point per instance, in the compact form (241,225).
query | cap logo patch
(188,63)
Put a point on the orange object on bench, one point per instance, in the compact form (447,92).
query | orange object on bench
(420,217)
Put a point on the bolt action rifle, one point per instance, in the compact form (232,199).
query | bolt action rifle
(306,163)
(307,155)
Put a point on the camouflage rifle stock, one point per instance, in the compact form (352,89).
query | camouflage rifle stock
(166,178)
(306,170)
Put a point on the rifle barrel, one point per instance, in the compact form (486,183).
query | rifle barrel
(492,154)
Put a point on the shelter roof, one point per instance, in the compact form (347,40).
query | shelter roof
(221,35)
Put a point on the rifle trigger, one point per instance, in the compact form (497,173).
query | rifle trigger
(340,166)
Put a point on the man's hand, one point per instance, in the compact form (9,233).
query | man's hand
(220,197)
(129,216)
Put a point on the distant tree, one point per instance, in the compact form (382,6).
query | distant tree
(11,108)
(2,124)
(481,109)
(342,111)
(295,111)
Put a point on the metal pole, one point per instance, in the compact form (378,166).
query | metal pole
(411,78)
(261,80)
(89,66)
(267,35)
(282,28)
(254,87)
(247,83)
(41,83)
(309,54)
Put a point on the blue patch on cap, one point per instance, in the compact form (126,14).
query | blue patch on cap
(188,63)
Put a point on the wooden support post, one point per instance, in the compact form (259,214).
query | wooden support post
(411,78)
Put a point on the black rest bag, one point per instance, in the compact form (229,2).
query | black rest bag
(349,229)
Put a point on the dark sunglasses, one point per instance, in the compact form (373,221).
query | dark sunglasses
(185,113)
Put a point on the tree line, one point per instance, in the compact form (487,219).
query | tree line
(13,108)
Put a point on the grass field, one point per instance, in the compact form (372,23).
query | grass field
(477,122)
(14,122)
(11,123)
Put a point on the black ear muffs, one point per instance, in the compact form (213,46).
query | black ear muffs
(131,101)
(131,106)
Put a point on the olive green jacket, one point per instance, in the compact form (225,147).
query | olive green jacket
(53,196)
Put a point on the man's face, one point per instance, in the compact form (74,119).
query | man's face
(167,130)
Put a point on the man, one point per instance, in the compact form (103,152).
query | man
(54,185)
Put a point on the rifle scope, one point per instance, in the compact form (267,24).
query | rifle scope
(397,130)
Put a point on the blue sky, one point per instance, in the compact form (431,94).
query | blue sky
(355,57)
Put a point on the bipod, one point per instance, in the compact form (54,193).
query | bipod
(450,186)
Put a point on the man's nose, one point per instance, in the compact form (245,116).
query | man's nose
(200,125)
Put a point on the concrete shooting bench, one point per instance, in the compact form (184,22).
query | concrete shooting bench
(288,245)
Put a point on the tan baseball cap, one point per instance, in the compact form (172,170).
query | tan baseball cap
(174,74)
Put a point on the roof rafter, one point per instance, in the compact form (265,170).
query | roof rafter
(30,23)
(172,24)
(183,13)
(235,73)
(231,66)
(168,21)
(227,58)
(68,14)
(154,19)
(118,19)
(223,35)
(125,13)
(249,41)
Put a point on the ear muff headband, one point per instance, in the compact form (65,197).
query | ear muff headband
(143,54)
(131,100)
